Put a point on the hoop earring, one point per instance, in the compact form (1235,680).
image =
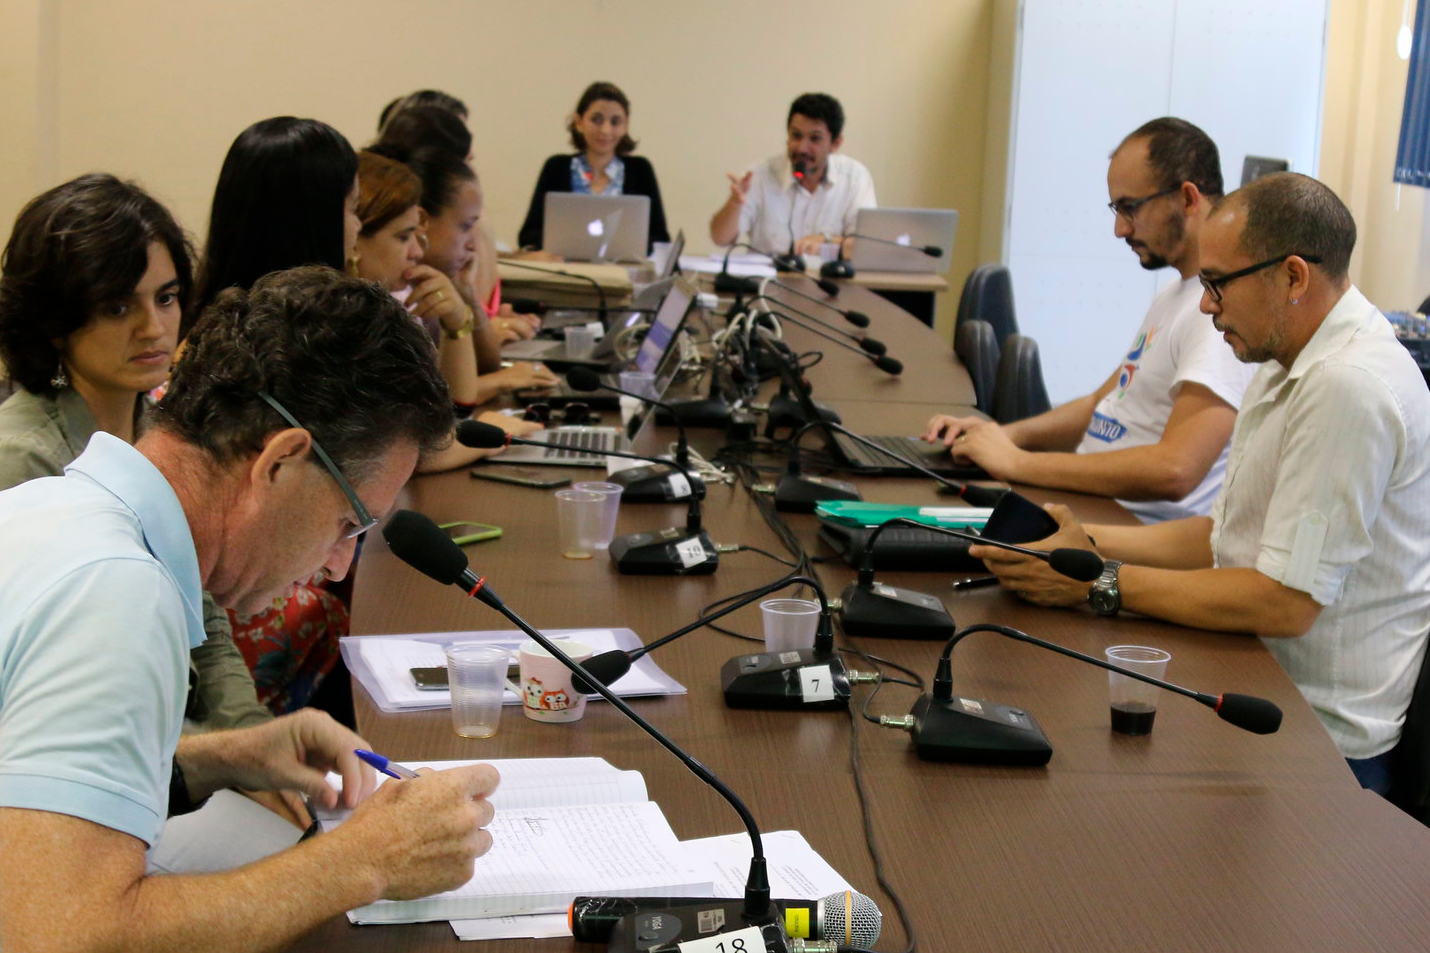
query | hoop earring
(61,380)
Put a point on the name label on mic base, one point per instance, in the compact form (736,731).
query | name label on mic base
(816,683)
(748,940)
(691,552)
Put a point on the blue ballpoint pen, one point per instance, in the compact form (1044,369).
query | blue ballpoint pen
(390,768)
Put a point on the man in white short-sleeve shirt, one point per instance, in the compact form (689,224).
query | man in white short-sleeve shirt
(1154,435)
(1318,542)
(805,198)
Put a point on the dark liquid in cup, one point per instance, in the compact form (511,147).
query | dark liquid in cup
(1133,720)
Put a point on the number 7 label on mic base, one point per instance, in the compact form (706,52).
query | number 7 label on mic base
(748,940)
(816,684)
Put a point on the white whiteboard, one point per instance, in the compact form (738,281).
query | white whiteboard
(1087,73)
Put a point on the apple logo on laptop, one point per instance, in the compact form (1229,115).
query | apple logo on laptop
(904,239)
(596,227)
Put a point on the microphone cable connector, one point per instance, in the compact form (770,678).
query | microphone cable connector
(863,678)
(902,722)
(728,547)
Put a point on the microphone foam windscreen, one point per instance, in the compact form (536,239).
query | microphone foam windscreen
(607,667)
(420,543)
(874,346)
(1256,715)
(857,318)
(1079,564)
(474,433)
(889,365)
(583,378)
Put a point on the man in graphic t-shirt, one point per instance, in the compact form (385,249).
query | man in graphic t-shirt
(1155,434)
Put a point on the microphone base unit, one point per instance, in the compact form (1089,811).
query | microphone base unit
(840,268)
(974,731)
(799,679)
(797,493)
(657,483)
(785,412)
(702,412)
(888,612)
(667,552)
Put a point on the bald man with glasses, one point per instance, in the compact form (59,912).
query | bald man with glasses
(1318,541)
(1154,435)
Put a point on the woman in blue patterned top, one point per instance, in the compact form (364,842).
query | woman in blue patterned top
(601,165)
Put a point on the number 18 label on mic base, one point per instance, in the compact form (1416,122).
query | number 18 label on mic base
(748,940)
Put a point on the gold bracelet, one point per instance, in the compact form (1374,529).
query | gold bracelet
(464,330)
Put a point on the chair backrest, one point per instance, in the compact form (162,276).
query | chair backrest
(977,348)
(991,300)
(1410,759)
(971,292)
(1018,389)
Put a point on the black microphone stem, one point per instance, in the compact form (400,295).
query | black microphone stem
(757,887)
(943,680)
(808,317)
(825,629)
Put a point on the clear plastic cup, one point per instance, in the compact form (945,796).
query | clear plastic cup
(611,494)
(1134,702)
(638,382)
(581,339)
(581,515)
(789,624)
(476,675)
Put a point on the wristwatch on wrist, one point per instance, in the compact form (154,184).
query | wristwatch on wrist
(1105,597)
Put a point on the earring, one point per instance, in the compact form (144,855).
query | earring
(352,264)
(61,379)
(1295,300)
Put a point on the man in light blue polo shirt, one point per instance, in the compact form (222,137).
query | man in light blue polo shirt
(299,410)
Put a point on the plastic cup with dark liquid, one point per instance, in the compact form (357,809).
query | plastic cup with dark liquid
(1134,702)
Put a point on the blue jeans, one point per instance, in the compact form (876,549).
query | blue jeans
(1373,773)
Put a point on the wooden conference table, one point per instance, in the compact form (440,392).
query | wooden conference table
(1198,837)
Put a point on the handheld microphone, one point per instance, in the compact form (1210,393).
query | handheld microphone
(600,292)
(420,543)
(883,362)
(846,916)
(968,731)
(866,344)
(813,678)
(667,552)
(933,251)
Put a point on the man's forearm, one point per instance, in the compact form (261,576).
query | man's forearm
(725,224)
(1150,472)
(1174,544)
(1059,429)
(1224,600)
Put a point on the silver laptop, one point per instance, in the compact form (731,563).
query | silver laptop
(596,227)
(659,355)
(905,232)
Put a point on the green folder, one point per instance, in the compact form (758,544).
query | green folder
(855,513)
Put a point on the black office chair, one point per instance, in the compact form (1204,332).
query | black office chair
(1018,390)
(971,290)
(991,300)
(1410,760)
(977,348)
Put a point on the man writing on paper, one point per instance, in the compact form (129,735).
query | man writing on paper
(298,411)
(1155,433)
(1317,542)
(803,199)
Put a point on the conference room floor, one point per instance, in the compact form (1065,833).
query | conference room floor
(1199,836)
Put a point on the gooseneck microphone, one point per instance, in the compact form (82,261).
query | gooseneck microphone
(726,283)
(883,362)
(933,251)
(1084,565)
(972,731)
(667,552)
(420,543)
(600,292)
(857,318)
(865,343)
(586,380)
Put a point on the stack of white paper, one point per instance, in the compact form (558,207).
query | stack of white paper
(383,663)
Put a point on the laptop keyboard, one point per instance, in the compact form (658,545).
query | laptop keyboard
(579,442)
(930,455)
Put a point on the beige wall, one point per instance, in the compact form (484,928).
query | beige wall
(1365,91)
(157,89)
